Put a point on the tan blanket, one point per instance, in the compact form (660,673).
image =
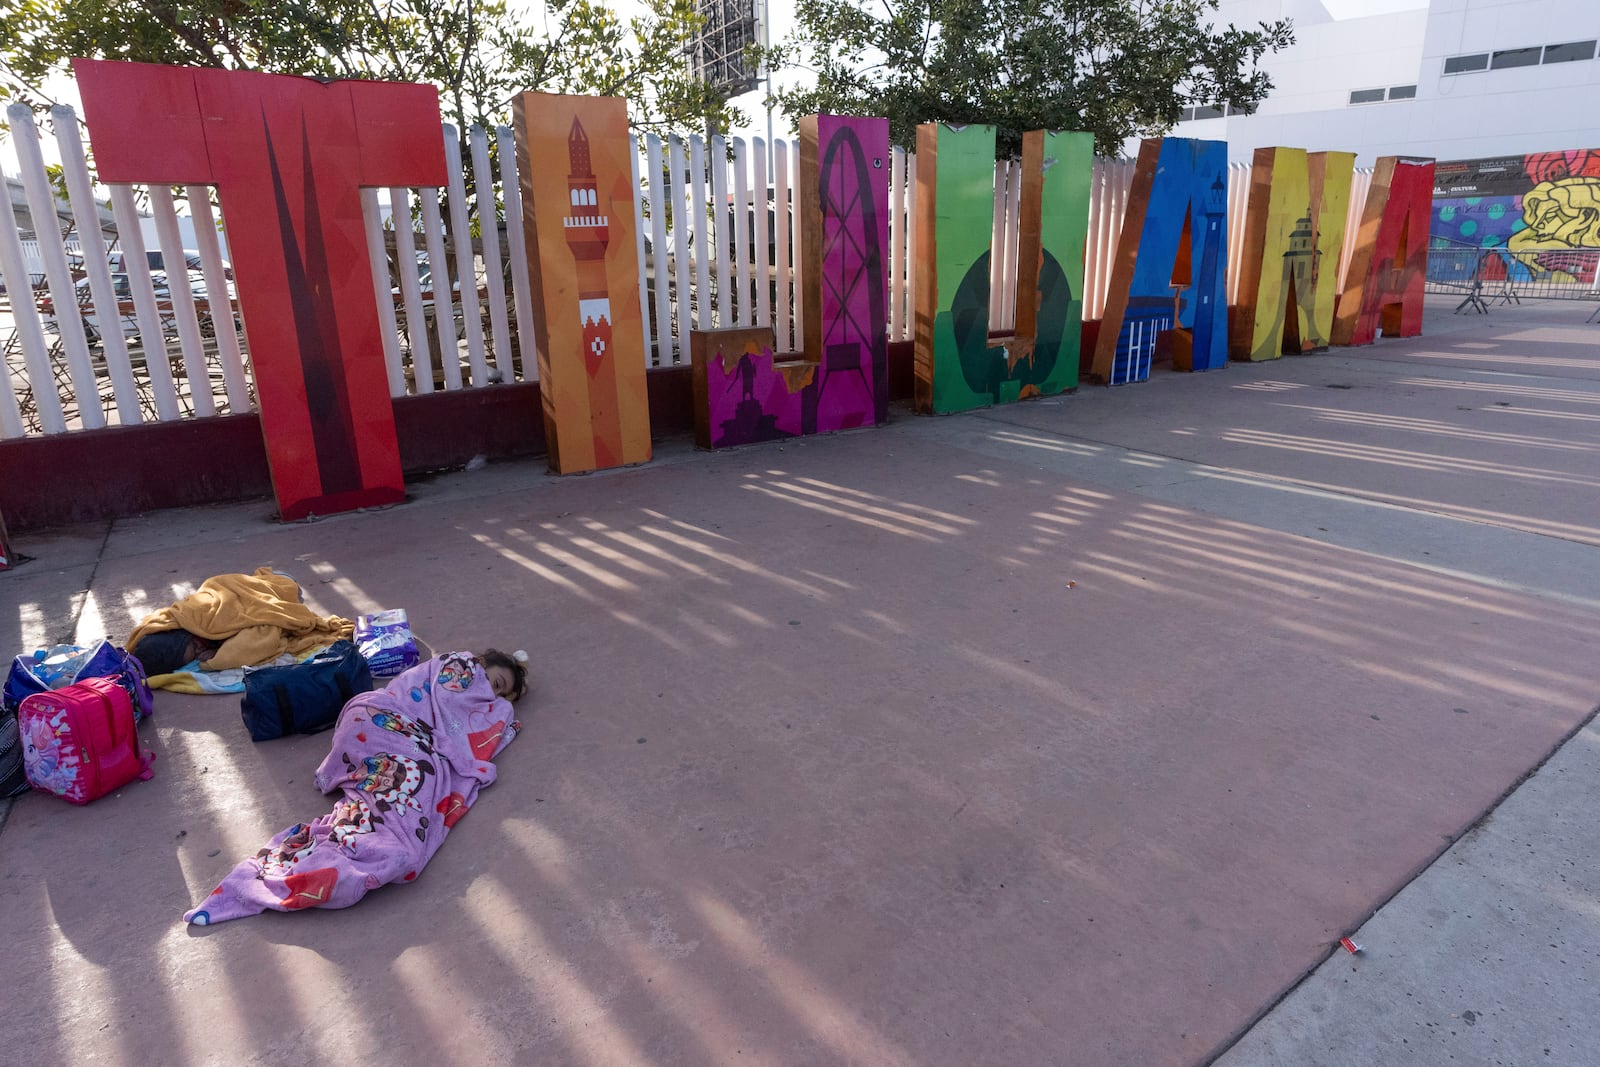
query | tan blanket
(257,617)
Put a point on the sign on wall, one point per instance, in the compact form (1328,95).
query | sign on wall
(744,393)
(1053,226)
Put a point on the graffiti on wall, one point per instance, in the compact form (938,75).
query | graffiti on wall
(579,221)
(1294,231)
(1170,270)
(1543,201)
(287,157)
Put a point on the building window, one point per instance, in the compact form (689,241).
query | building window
(1240,110)
(1515,57)
(1567,53)
(1466,64)
(1186,114)
(1402,92)
(1367,96)
(1208,112)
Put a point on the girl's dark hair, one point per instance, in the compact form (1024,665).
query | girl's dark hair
(493,657)
(163,652)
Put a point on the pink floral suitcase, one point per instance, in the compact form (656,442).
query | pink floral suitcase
(79,742)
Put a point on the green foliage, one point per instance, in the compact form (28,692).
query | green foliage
(37,37)
(1117,68)
(477,52)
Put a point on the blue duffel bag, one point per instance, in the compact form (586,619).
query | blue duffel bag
(304,697)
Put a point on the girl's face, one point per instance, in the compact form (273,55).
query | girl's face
(503,682)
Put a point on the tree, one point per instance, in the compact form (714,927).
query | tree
(1117,68)
(477,52)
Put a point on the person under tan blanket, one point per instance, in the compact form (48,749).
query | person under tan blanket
(232,621)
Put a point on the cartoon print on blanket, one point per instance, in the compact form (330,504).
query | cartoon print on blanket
(352,817)
(419,732)
(456,670)
(280,859)
(409,760)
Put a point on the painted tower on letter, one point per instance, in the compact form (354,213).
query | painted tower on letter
(1216,216)
(587,233)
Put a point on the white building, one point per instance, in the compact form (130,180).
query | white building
(1452,79)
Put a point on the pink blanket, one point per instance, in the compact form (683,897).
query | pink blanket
(409,760)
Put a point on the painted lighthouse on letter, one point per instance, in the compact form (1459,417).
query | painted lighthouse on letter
(588,232)
(583,263)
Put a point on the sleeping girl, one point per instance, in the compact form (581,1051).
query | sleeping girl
(408,761)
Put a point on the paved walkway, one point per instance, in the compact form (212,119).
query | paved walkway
(1073,732)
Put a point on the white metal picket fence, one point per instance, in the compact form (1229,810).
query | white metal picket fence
(718,243)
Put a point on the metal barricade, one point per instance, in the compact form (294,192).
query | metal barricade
(1487,275)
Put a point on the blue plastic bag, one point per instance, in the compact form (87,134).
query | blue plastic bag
(61,666)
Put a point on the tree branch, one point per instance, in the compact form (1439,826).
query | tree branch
(187,33)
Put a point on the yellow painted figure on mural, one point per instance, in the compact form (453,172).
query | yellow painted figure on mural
(1560,214)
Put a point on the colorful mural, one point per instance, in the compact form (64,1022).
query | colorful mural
(1388,267)
(1170,270)
(1053,226)
(287,156)
(743,392)
(844,211)
(1293,234)
(1330,175)
(1541,202)
(584,266)
(958,366)
(953,226)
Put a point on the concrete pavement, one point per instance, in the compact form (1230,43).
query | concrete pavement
(1489,957)
(1072,732)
